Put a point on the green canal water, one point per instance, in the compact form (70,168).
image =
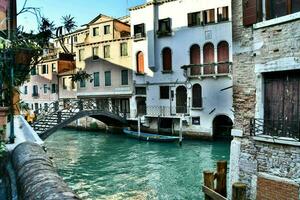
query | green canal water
(108,166)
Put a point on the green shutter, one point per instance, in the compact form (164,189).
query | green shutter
(124,77)
(108,78)
(96,79)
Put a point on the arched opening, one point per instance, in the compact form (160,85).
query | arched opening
(195,59)
(222,126)
(208,58)
(181,100)
(223,57)
(197,96)
(140,63)
(167,59)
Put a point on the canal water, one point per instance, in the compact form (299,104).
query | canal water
(108,166)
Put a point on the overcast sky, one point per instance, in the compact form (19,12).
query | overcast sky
(82,10)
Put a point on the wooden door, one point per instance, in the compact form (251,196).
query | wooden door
(181,100)
(140,62)
(281,104)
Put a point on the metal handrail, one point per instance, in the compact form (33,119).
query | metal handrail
(275,128)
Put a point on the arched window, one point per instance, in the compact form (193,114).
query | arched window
(223,57)
(197,96)
(167,59)
(195,59)
(140,63)
(208,58)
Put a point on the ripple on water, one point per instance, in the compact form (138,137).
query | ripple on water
(103,166)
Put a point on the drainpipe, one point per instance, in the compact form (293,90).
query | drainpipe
(12,25)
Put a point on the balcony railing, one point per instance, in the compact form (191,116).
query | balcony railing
(213,69)
(283,129)
(162,111)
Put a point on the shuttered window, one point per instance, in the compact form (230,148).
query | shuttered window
(167,59)
(195,59)
(251,11)
(223,57)
(208,58)
(194,19)
(197,96)
(107,78)
(96,79)
(140,63)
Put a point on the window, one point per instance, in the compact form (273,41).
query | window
(44,69)
(81,54)
(194,19)
(82,83)
(106,29)
(95,53)
(208,58)
(35,91)
(197,96)
(164,26)
(139,30)
(64,83)
(35,71)
(107,78)
(25,90)
(75,39)
(209,16)
(167,59)
(164,92)
(140,90)
(123,49)
(195,59)
(223,57)
(124,77)
(106,51)
(96,79)
(278,8)
(253,11)
(53,88)
(196,120)
(95,31)
(140,63)
(53,66)
(45,88)
(73,85)
(223,14)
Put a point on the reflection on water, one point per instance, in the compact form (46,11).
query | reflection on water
(105,166)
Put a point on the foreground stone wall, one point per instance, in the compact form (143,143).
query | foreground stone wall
(36,177)
(275,163)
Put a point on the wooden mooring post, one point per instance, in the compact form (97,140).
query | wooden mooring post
(238,191)
(220,191)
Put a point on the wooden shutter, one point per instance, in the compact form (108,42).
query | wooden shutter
(252,12)
(167,59)
(140,62)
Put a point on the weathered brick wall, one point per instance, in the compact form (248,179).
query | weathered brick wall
(243,70)
(271,189)
(282,161)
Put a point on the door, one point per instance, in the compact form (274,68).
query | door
(181,100)
(281,104)
(141,106)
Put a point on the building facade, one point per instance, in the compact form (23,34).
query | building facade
(105,54)
(265,152)
(182,54)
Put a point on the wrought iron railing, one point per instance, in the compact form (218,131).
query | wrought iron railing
(213,69)
(284,129)
(161,111)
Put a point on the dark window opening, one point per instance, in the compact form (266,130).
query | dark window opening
(167,59)
(164,27)
(139,30)
(164,92)
(140,90)
(223,14)
(197,96)
(194,19)
(106,29)
(209,16)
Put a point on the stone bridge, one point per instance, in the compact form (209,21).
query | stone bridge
(56,116)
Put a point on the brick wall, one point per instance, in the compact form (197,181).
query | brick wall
(279,190)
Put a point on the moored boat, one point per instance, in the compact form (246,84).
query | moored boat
(150,136)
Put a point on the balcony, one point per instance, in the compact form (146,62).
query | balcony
(161,111)
(139,36)
(208,70)
(276,129)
